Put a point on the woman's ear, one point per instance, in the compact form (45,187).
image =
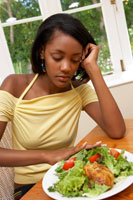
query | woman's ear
(41,53)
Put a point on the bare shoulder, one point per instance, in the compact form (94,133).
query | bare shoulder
(16,83)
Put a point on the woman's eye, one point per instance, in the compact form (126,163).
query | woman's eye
(57,59)
(60,58)
(76,61)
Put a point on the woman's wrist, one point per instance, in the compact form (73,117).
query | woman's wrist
(93,71)
(44,157)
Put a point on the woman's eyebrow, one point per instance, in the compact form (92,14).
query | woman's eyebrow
(60,51)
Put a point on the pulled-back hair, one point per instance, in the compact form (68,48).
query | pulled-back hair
(64,23)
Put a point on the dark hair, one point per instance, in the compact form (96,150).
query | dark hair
(64,23)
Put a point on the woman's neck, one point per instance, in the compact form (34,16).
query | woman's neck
(50,88)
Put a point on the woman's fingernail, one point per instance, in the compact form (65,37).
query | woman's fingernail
(98,142)
(103,145)
(84,143)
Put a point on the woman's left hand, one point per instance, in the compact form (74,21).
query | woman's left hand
(55,156)
(90,56)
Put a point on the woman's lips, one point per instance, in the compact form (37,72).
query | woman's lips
(63,78)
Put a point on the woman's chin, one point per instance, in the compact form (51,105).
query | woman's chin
(63,85)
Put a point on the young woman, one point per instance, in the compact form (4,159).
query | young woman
(44,107)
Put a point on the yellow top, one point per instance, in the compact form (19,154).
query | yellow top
(45,123)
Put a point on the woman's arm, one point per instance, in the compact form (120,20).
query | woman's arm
(105,112)
(16,158)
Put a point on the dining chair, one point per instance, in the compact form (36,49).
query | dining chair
(6,173)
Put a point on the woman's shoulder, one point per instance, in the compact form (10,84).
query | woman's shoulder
(16,83)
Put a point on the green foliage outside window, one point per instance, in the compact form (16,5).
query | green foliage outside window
(129,18)
(20,37)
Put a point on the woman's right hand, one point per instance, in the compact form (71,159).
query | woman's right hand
(55,156)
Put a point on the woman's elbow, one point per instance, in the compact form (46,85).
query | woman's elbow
(118,133)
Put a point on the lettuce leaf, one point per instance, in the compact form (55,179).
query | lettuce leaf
(73,183)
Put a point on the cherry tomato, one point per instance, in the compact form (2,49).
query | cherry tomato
(68,164)
(94,157)
(114,153)
(73,158)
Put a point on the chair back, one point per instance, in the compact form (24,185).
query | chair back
(6,173)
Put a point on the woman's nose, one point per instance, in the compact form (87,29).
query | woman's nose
(66,66)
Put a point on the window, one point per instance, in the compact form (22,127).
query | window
(23,35)
(105,19)
(20,20)
(118,57)
(128,7)
(12,10)
(71,4)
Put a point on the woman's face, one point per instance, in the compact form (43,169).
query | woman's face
(62,55)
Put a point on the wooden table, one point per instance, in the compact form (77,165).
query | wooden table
(95,135)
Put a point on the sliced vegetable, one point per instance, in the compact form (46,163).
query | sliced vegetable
(68,164)
(73,158)
(114,153)
(74,183)
(94,158)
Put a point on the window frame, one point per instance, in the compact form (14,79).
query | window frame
(114,19)
(120,49)
(5,58)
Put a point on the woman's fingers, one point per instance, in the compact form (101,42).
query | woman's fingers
(87,146)
(90,53)
(65,153)
(90,146)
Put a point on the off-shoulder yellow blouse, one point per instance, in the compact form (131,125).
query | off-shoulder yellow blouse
(47,123)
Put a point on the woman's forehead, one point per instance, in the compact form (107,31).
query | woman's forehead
(60,40)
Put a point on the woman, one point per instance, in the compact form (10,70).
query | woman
(44,107)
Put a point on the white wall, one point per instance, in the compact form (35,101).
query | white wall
(123,95)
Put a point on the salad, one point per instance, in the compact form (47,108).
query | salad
(91,172)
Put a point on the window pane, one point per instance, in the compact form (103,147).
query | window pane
(19,39)
(93,21)
(70,4)
(11,10)
(128,6)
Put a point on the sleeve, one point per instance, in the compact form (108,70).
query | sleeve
(6,106)
(87,94)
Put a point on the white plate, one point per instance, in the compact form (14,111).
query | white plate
(49,179)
